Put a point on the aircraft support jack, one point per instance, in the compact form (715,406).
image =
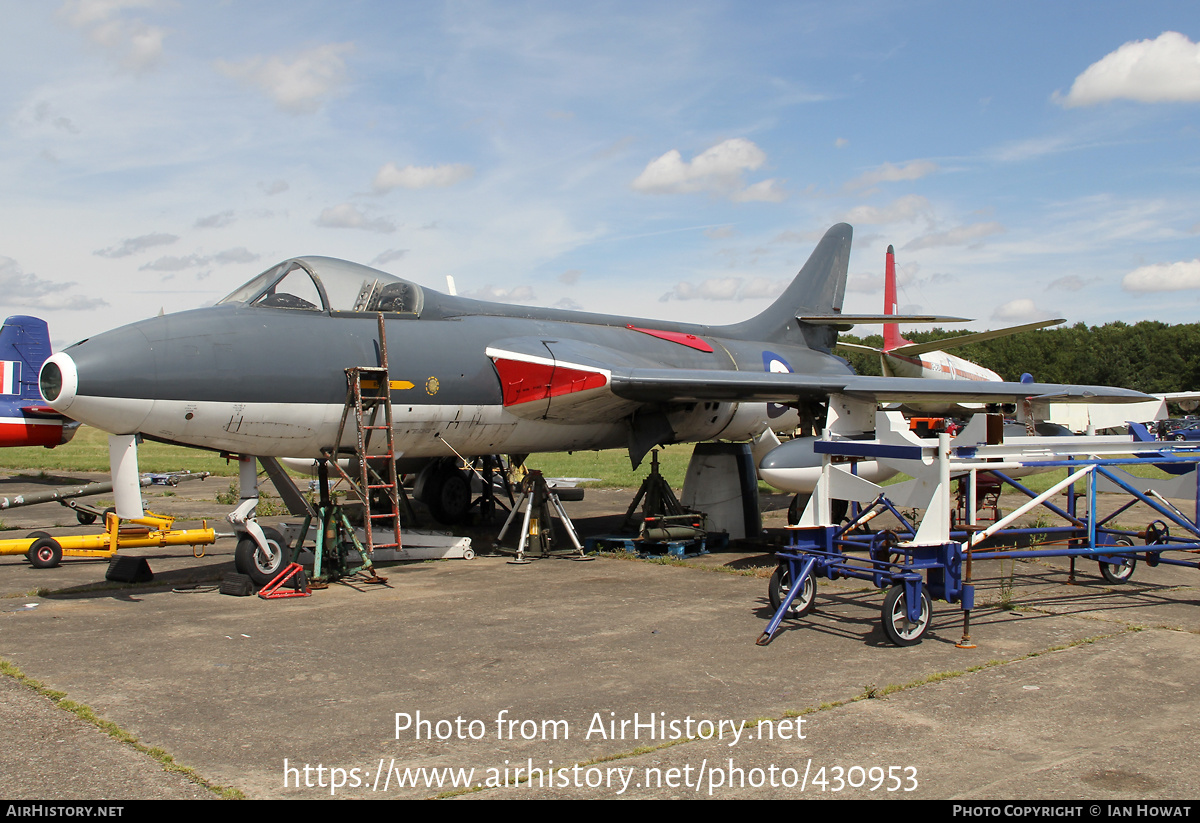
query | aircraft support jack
(335,539)
(540,503)
(659,498)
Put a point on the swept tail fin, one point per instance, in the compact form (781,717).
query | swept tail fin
(818,289)
(24,347)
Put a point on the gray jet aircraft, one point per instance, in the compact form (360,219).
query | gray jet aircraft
(262,372)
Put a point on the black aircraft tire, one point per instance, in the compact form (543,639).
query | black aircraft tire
(248,559)
(45,553)
(84,518)
(896,625)
(449,498)
(780,585)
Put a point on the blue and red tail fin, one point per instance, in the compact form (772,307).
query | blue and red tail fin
(24,347)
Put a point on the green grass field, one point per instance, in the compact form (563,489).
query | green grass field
(88,452)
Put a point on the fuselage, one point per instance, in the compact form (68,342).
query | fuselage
(263,372)
(936,364)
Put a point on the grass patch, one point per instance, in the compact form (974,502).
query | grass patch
(88,452)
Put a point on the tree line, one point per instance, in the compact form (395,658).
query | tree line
(1147,356)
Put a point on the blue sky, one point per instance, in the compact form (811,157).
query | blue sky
(673,160)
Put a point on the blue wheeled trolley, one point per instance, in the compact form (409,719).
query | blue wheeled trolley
(917,564)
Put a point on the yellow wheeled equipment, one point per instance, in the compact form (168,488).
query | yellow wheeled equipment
(153,530)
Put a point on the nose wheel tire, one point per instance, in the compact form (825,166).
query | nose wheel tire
(781,584)
(896,625)
(262,568)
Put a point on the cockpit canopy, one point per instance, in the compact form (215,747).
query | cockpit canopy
(327,284)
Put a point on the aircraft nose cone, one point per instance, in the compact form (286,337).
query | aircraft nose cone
(95,382)
(59,381)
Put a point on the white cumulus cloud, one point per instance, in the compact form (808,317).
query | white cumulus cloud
(1164,277)
(888,173)
(719,170)
(958,236)
(725,288)
(905,209)
(497,294)
(300,85)
(349,216)
(390,176)
(1166,69)
(135,44)
(1021,310)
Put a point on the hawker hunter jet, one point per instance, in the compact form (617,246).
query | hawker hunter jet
(25,419)
(262,372)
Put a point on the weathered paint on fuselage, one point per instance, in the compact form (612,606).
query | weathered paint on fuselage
(271,381)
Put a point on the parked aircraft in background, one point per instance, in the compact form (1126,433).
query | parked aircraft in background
(25,419)
(902,358)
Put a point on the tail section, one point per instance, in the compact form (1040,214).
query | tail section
(24,346)
(891,331)
(818,289)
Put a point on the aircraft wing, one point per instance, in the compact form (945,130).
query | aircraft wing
(698,385)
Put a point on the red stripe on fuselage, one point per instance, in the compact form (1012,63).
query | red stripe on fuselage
(29,434)
(682,338)
(524,382)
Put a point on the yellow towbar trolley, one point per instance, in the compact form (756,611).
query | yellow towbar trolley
(151,531)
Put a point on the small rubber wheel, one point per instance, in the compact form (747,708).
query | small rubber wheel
(33,536)
(84,518)
(249,559)
(1121,571)
(781,584)
(45,553)
(899,629)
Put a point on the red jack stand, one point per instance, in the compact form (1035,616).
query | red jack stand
(299,584)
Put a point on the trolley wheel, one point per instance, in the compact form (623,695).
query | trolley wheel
(85,518)
(796,508)
(1121,571)
(896,625)
(45,553)
(781,584)
(249,559)
(33,536)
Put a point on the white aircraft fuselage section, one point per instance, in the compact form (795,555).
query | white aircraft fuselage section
(935,364)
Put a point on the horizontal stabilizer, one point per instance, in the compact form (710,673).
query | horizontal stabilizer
(913,349)
(878,319)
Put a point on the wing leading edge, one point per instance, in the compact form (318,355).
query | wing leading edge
(693,385)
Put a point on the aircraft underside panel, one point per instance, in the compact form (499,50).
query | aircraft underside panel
(303,430)
(22,431)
